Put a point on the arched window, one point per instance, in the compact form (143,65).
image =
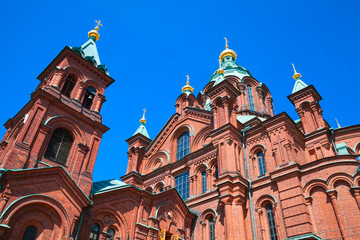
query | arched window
(261,160)
(251,98)
(182,145)
(59,146)
(68,85)
(271,221)
(211,228)
(204,181)
(111,234)
(89,97)
(95,232)
(30,233)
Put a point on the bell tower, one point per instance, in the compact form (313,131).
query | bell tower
(61,125)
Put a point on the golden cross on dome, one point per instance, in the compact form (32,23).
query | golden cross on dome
(219,63)
(337,123)
(144,111)
(98,23)
(187,82)
(226,42)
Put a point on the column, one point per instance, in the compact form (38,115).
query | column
(308,203)
(261,99)
(214,108)
(100,100)
(225,102)
(228,219)
(334,202)
(79,93)
(241,87)
(356,193)
(58,75)
(262,230)
(208,179)
(241,233)
(203,230)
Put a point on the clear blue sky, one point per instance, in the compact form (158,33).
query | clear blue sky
(150,46)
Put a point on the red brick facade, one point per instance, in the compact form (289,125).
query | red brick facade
(241,171)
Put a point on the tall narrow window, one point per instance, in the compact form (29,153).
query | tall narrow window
(211,229)
(95,232)
(68,85)
(182,145)
(59,146)
(111,234)
(216,175)
(30,233)
(251,98)
(89,97)
(261,160)
(271,221)
(204,181)
(182,185)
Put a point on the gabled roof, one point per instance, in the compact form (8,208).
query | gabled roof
(245,118)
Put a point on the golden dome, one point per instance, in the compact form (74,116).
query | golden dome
(227,52)
(187,87)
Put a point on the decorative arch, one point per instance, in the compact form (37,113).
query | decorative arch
(149,189)
(99,216)
(200,168)
(162,214)
(317,182)
(332,179)
(92,83)
(161,156)
(40,210)
(69,124)
(206,214)
(177,133)
(71,70)
(257,148)
(265,199)
(250,81)
(200,138)
(158,186)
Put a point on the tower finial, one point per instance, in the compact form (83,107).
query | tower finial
(337,123)
(143,120)
(296,74)
(226,43)
(220,70)
(94,34)
(187,88)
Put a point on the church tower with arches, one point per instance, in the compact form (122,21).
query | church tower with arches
(225,166)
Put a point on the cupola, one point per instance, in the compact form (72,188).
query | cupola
(187,88)
(227,52)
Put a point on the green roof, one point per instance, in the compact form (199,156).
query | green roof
(245,118)
(107,185)
(90,50)
(142,130)
(299,84)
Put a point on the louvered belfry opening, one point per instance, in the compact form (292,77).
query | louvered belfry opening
(59,146)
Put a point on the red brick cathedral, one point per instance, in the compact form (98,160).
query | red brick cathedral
(224,166)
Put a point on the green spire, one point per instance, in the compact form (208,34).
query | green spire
(299,84)
(142,129)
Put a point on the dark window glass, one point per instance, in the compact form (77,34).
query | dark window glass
(89,97)
(30,233)
(261,161)
(182,145)
(111,234)
(271,220)
(59,146)
(251,98)
(211,229)
(68,85)
(264,100)
(182,185)
(216,173)
(204,181)
(95,230)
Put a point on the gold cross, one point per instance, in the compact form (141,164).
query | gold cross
(187,82)
(98,23)
(294,68)
(226,42)
(144,110)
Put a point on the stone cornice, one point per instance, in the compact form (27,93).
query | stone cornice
(303,93)
(67,52)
